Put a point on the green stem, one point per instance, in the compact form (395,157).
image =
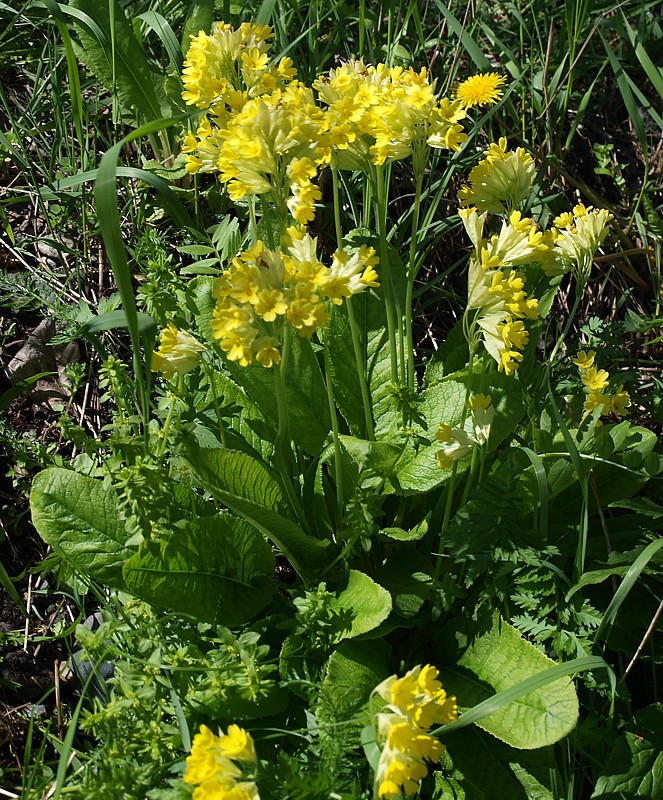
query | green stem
(253,224)
(344,552)
(215,401)
(282,448)
(360,358)
(411,271)
(267,216)
(169,418)
(454,470)
(580,288)
(445,521)
(337,444)
(389,302)
(337,205)
(470,477)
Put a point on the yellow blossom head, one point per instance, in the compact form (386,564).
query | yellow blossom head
(501,181)
(179,352)
(480,90)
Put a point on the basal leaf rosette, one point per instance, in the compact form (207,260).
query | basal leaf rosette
(264,291)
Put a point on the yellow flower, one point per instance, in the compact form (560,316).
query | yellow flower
(480,90)
(207,761)
(584,359)
(458,442)
(621,401)
(578,239)
(211,765)
(178,353)
(263,289)
(595,381)
(501,181)
(519,242)
(594,378)
(415,702)
(268,353)
(237,744)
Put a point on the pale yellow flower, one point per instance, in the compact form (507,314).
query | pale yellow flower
(179,352)
(578,239)
(501,181)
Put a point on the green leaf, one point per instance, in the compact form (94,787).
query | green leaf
(249,489)
(352,672)
(8,397)
(117,58)
(368,602)
(215,569)
(442,401)
(79,518)
(617,456)
(118,319)
(635,766)
(468,43)
(167,196)
(343,374)
(200,17)
(504,771)
(451,784)
(224,471)
(305,394)
(418,470)
(630,579)
(165,33)
(500,657)
(407,575)
(411,535)
(246,428)
(305,391)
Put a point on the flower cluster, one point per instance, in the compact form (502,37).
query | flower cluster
(228,66)
(178,353)
(595,382)
(263,289)
(576,237)
(263,132)
(213,767)
(458,442)
(497,301)
(414,703)
(375,114)
(261,129)
(500,181)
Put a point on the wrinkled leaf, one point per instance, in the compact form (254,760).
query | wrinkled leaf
(79,518)
(217,570)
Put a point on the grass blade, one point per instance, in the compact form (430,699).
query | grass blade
(625,587)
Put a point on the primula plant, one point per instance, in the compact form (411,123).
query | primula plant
(306,508)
